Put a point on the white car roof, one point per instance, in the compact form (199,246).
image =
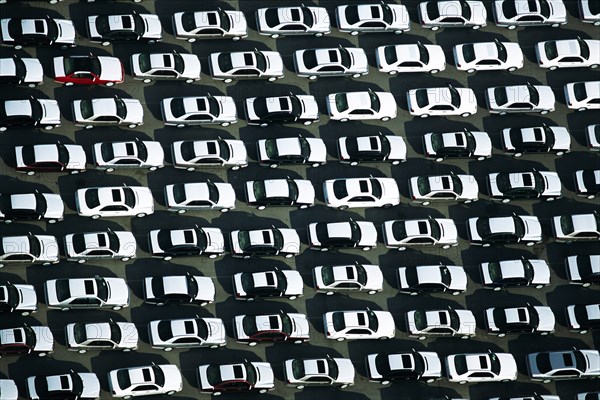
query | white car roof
(437,318)
(121,22)
(26,201)
(584,222)
(83,287)
(96,240)
(358,100)
(174,284)
(136,375)
(124,149)
(517,315)
(263,279)
(59,382)
(512,269)
(107,106)
(9,335)
(339,230)
(368,143)
(502,224)
(183,236)
(275,104)
(15,244)
(354,319)
(288,146)
(478,362)
(404,361)
(233,372)
(8,67)
(277,188)
(29,26)
(417,227)
(316,367)
(162,60)
(369,12)
(17,107)
(568,47)
(454,139)
(184,327)
(450,8)
(98,331)
(328,56)
(485,50)
(263,236)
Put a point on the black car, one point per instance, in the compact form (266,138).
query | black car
(280,192)
(31,206)
(539,139)
(169,243)
(105,29)
(251,285)
(376,148)
(188,288)
(72,386)
(587,183)
(465,144)
(583,318)
(501,321)
(281,110)
(386,368)
(45,31)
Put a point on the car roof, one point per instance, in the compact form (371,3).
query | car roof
(478,362)
(502,224)
(175,284)
(339,230)
(25,201)
(356,319)
(403,361)
(437,318)
(18,107)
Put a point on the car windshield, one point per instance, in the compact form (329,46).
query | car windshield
(271,148)
(202,328)
(224,151)
(298,368)
(340,189)
(399,230)
(307,16)
(123,378)
(545,8)
(422,97)
(121,108)
(373,320)
(483,227)
(179,193)
(28,155)
(457,184)
(551,49)
(129,197)
(158,289)
(79,333)
(566,224)
(115,332)
(494,271)
(579,91)
(244,239)
(341,102)
(102,25)
(213,192)
(375,104)
(35,247)
(519,227)
(423,53)
(87,111)
(534,96)
(502,55)
(500,95)
(423,185)
(411,276)
(420,320)
(159,376)
(62,289)
(81,64)
(346,58)
(292,189)
(455,97)
(287,325)
(164,330)
(192,285)
(261,61)
(177,108)
(249,325)
(390,53)
(468,52)
(433,11)
(63,154)
(338,321)
(352,14)
(509,8)
(102,289)
(144,62)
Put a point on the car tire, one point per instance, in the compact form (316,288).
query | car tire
(340,339)
(401,248)
(486,245)
(272,79)
(125,259)
(424,115)
(224,210)
(82,351)
(434,71)
(356,76)
(190,81)
(105,44)
(385,119)
(117,308)
(30,173)
(170,393)
(465,114)
(434,28)
(583,331)
(252,344)
(109,84)
(579,109)
(385,383)
(65,309)
(307,123)
(501,334)
(393,72)
(446,246)
(539,286)
(96,216)
(511,27)
(344,120)
(529,244)
(182,211)
(261,208)
(366,248)
(547,381)
(191,40)
(476,27)
(225,124)
(300,387)
(264,125)
(141,215)
(89,126)
(425,203)
(324,249)
(312,77)
(180,126)
(228,80)
(512,69)
(471,70)
(342,208)
(497,288)
(462,382)
(354,33)
(544,112)
(289,255)
(25,313)
(275,36)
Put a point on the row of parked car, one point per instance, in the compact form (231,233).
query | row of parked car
(288,21)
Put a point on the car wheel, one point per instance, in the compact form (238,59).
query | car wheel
(550,199)
(191,40)
(89,126)
(181,211)
(401,248)
(354,33)
(275,36)
(593,66)
(147,80)
(224,210)
(105,44)
(109,84)
(387,206)
(426,203)
(385,383)
(422,337)
(424,115)
(299,341)
(497,288)
(95,216)
(180,126)
(486,245)
(414,293)
(303,207)
(81,261)
(553,68)
(344,120)
(512,27)
(434,28)
(539,286)
(261,208)
(529,244)
(502,113)
(555,25)
(109,170)
(471,70)
(446,246)
(68,83)
(65,309)
(82,351)
(544,112)
(505,201)
(228,80)
(117,308)
(545,333)
(141,215)
(579,109)
(18,47)
(252,344)
(434,71)
(289,255)
(372,292)
(341,339)
(462,382)
(127,397)
(190,81)
(465,115)
(324,249)
(476,27)
(25,313)
(354,163)
(342,208)
(313,77)
(152,168)
(225,124)
(190,169)
(124,259)
(272,79)
(385,119)
(393,72)
(501,334)
(264,125)
(546,381)
(132,126)
(512,69)
(30,173)
(366,248)
(583,331)
(355,76)
(170,393)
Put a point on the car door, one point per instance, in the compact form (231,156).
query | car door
(100,344)
(358,333)
(85,302)
(186,342)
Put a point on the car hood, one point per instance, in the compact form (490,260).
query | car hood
(553,185)
(318,151)
(50,112)
(35,72)
(44,340)
(265,378)
(433,364)
(467,322)
(77,157)
(533,229)
(135,111)
(91,385)
(206,289)
(118,291)
(306,191)
(295,284)
(291,241)
(368,233)
(470,186)
(310,109)
(346,371)
(215,242)
(239,154)
(49,248)
(28,297)
(55,206)
(66,31)
(128,245)
(387,326)
(372,366)
(173,378)
(459,278)
(153,26)
(9,390)
(546,319)
(112,69)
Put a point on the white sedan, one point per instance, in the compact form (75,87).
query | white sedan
(465,144)
(400,58)
(583,96)
(287,21)
(109,156)
(551,366)
(452,14)
(302,372)
(74,385)
(501,321)
(361,192)
(87,293)
(200,110)
(576,227)
(187,333)
(534,184)
(570,53)
(386,367)
(330,279)
(50,158)
(325,236)
(293,150)
(520,99)
(589,12)
(249,286)
(513,13)
(213,24)
(453,187)
(30,249)
(358,106)
(145,381)
(341,61)
(81,337)
(196,196)
(485,231)
(114,201)
(107,112)
(256,64)
(432,278)
(592,136)
(32,112)
(280,327)
(368,324)
(374,148)
(441,101)
(179,290)
(81,247)
(515,273)
(192,154)
(169,243)
(440,323)
(402,234)
(280,192)
(587,183)
(149,67)
(481,367)
(488,56)
(17,298)
(583,269)
(257,242)
(21,71)
(537,139)
(365,18)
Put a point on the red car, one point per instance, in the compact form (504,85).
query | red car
(88,70)
(50,158)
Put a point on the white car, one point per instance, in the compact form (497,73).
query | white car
(324,62)
(488,56)
(281,110)
(533,396)
(192,154)
(9,389)
(587,183)
(229,66)
(441,101)
(447,322)
(87,293)
(432,278)
(107,112)
(303,372)
(481,367)
(282,327)
(200,110)
(280,192)
(248,243)
(505,186)
(187,333)
(197,196)
(114,201)
(538,139)
(330,279)
(325,236)
(589,12)
(121,336)
(32,112)
(583,270)
(465,144)
(386,368)
(376,148)
(214,24)
(26,339)
(249,286)
(485,231)
(365,18)
(145,381)
(44,31)
(109,156)
(109,244)
(134,27)
(149,67)
(400,58)
(570,53)
(74,385)
(367,324)
(583,318)
(515,273)
(287,21)
(169,243)
(520,99)
(358,106)
(361,193)
(583,96)
(513,13)
(402,234)
(593,137)
(453,187)
(30,249)
(501,321)
(293,150)
(576,227)
(50,158)
(551,366)
(240,377)
(452,14)
(17,298)
(21,71)
(179,289)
